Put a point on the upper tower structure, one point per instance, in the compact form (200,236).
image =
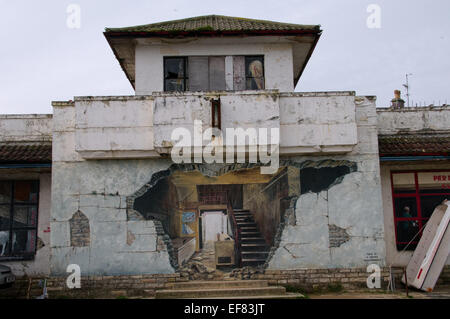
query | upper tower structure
(213,53)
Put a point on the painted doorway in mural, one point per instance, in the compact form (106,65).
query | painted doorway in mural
(213,223)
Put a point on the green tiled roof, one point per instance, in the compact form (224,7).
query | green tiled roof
(417,143)
(26,152)
(216,23)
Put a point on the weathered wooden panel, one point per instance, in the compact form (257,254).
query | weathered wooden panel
(217,73)
(229,73)
(238,73)
(198,73)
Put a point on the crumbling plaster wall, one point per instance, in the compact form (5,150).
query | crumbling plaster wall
(342,225)
(98,189)
(119,245)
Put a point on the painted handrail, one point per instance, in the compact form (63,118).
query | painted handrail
(236,232)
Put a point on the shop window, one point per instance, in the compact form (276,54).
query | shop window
(18,219)
(415,196)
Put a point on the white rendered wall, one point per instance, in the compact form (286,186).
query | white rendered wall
(278,62)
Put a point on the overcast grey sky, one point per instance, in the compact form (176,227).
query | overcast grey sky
(44,60)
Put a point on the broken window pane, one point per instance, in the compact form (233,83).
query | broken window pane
(175,75)
(174,68)
(174,85)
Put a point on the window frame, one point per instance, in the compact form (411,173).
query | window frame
(417,196)
(186,72)
(22,256)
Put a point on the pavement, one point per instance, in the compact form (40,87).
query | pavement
(442,292)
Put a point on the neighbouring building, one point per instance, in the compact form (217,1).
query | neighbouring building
(414,146)
(95,184)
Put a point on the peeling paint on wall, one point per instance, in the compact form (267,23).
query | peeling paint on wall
(319,179)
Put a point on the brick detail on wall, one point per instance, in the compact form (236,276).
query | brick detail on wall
(80,234)
(337,236)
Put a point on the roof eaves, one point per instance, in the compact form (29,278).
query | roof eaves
(121,61)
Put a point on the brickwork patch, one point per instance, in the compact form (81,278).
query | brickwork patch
(338,236)
(80,234)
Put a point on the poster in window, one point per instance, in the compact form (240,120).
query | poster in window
(254,73)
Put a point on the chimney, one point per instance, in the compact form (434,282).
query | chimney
(397,102)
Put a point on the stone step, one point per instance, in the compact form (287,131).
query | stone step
(245,247)
(256,232)
(252,240)
(222,292)
(239,221)
(248,229)
(245,218)
(250,234)
(217,284)
(246,224)
(240,210)
(254,254)
(253,259)
(243,215)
